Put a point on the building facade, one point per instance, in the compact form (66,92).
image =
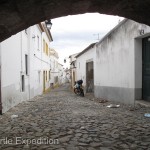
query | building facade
(25,65)
(73,69)
(121,63)
(86,67)
(54,68)
(60,75)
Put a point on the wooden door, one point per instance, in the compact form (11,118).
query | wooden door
(90,77)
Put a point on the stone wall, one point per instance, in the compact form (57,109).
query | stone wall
(20,14)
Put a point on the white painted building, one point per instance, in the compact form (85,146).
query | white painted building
(73,71)
(60,75)
(120,72)
(66,76)
(86,66)
(14,76)
(54,67)
(25,65)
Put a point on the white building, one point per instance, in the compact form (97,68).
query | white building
(86,66)
(66,76)
(54,67)
(60,75)
(15,78)
(73,72)
(25,65)
(39,59)
(120,62)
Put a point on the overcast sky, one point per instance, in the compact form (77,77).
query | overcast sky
(73,34)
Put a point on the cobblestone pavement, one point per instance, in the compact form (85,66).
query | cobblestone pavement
(64,121)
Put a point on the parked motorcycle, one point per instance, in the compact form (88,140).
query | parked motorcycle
(78,89)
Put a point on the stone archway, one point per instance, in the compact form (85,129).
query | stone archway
(17,15)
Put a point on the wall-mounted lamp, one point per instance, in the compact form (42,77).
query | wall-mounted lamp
(48,24)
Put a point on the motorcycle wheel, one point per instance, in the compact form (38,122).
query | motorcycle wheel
(82,93)
(75,91)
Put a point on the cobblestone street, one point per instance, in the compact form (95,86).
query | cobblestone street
(65,121)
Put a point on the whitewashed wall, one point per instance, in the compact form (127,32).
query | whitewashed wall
(54,68)
(35,61)
(45,60)
(81,61)
(13,52)
(60,74)
(115,64)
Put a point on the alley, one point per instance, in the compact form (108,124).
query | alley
(65,121)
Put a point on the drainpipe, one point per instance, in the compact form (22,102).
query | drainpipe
(21,53)
(0,83)
(29,58)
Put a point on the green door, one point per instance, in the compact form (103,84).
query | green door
(146,69)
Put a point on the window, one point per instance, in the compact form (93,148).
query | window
(38,43)
(46,49)
(26,64)
(22,83)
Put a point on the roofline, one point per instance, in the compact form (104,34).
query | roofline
(116,27)
(86,49)
(47,31)
(41,27)
(92,45)
(73,54)
(60,64)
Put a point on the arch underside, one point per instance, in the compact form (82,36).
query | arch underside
(16,15)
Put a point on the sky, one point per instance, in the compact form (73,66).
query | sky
(72,34)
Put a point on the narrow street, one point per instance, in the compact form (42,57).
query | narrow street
(66,121)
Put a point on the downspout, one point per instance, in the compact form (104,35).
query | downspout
(21,54)
(29,57)
(0,83)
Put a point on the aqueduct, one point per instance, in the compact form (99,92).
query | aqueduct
(16,15)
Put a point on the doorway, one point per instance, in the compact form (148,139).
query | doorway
(89,77)
(73,79)
(146,68)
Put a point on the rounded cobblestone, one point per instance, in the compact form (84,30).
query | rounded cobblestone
(72,122)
